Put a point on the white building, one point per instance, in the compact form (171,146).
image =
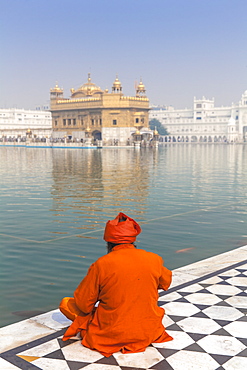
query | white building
(20,123)
(204,122)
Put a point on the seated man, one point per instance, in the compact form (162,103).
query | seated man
(125,284)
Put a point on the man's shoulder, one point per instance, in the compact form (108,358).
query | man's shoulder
(150,254)
(109,256)
(102,259)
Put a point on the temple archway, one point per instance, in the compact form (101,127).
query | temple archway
(97,135)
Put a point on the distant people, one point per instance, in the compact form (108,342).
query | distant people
(115,306)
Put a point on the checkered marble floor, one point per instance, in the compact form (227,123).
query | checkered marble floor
(206,316)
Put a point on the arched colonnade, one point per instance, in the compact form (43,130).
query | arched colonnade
(193,139)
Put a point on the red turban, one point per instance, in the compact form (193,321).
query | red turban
(122,229)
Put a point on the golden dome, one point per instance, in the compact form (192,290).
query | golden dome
(56,89)
(141,87)
(116,82)
(117,86)
(87,89)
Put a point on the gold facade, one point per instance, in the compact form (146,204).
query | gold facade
(98,114)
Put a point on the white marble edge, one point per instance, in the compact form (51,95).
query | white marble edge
(22,332)
(208,265)
(5,365)
(25,331)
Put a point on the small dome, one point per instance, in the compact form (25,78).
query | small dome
(116,82)
(140,90)
(56,89)
(117,86)
(141,86)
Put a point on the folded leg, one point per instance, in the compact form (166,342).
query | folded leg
(69,308)
(80,320)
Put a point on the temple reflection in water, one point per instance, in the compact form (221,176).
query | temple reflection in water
(95,184)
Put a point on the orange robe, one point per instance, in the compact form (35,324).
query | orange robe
(125,282)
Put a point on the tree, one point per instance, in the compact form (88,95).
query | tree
(154,123)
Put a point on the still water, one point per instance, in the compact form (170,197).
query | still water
(55,203)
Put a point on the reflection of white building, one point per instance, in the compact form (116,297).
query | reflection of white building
(17,123)
(204,122)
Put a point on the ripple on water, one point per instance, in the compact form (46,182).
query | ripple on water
(55,205)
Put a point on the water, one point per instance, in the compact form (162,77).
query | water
(54,205)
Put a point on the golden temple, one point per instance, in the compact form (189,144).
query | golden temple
(95,114)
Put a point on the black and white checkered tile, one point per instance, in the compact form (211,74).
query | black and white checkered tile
(207,318)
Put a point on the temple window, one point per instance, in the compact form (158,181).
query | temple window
(64,122)
(137,120)
(74,121)
(69,122)
(114,121)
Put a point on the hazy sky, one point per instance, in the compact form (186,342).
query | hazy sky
(180,48)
